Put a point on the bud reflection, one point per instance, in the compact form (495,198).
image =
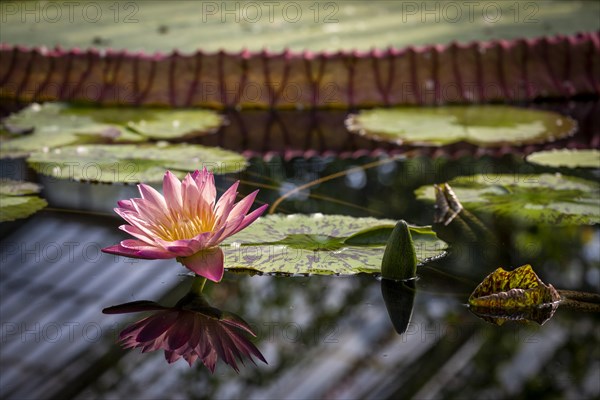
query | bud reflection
(399,297)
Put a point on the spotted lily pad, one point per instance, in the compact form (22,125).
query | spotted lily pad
(16,202)
(133,163)
(537,199)
(320,244)
(483,125)
(518,294)
(566,158)
(52,125)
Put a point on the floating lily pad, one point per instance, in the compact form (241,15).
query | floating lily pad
(14,204)
(153,26)
(44,126)
(52,125)
(537,199)
(153,123)
(133,163)
(485,125)
(168,124)
(320,244)
(9,187)
(518,294)
(566,158)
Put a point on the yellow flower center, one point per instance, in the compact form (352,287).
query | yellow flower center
(184,226)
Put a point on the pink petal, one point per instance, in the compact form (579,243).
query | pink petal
(132,330)
(152,195)
(190,194)
(138,251)
(171,356)
(207,186)
(179,335)
(149,212)
(207,263)
(190,358)
(250,218)
(229,229)
(242,207)
(203,239)
(217,237)
(181,251)
(126,205)
(210,361)
(136,221)
(157,325)
(119,250)
(172,192)
(135,244)
(131,216)
(193,245)
(236,321)
(138,233)
(225,203)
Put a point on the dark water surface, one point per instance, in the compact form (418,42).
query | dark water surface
(323,337)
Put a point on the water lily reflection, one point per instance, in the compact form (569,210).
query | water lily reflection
(191,330)
(186,223)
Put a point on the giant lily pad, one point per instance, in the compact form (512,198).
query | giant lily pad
(589,158)
(518,294)
(538,199)
(15,202)
(133,163)
(483,125)
(52,125)
(154,26)
(320,244)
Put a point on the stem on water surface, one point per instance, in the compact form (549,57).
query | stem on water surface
(198,285)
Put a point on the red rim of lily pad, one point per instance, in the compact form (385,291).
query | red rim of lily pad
(519,69)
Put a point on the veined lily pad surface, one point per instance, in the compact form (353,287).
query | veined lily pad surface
(133,163)
(486,125)
(537,199)
(16,200)
(52,125)
(585,158)
(326,26)
(320,244)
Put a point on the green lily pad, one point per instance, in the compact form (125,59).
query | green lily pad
(153,123)
(320,244)
(48,128)
(566,158)
(133,163)
(167,124)
(518,294)
(537,199)
(485,125)
(9,187)
(57,124)
(14,204)
(154,26)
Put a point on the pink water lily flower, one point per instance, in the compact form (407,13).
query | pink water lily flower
(186,223)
